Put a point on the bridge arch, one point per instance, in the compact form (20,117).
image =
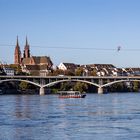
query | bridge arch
(70,80)
(8,80)
(119,81)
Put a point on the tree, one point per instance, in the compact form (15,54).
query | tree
(16,67)
(93,72)
(66,86)
(24,85)
(57,72)
(80,86)
(136,86)
(68,73)
(79,72)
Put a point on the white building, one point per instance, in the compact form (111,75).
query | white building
(67,66)
(9,71)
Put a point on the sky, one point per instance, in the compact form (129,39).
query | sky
(73,31)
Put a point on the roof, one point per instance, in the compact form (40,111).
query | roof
(26,61)
(104,65)
(36,67)
(71,65)
(37,60)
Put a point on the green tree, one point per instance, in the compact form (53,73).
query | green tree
(80,87)
(24,85)
(79,72)
(66,86)
(57,72)
(69,73)
(16,67)
(93,72)
(136,86)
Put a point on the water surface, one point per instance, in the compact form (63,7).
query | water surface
(102,117)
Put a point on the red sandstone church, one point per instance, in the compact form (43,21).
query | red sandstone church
(34,65)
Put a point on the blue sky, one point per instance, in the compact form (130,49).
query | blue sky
(60,27)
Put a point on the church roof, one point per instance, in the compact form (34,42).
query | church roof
(26,61)
(42,60)
(37,60)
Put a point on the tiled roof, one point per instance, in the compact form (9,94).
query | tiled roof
(42,60)
(37,60)
(70,65)
(26,61)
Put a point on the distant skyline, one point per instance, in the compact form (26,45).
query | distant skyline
(77,31)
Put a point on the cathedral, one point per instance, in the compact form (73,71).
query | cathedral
(34,65)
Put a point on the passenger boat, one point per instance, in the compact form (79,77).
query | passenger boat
(71,94)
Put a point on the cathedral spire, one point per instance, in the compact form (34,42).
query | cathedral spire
(26,49)
(17,54)
(26,42)
(17,42)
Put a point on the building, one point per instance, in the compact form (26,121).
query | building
(37,66)
(9,71)
(34,65)
(68,66)
(99,69)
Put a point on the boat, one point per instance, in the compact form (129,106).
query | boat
(71,94)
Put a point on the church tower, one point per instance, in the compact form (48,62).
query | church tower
(17,55)
(26,50)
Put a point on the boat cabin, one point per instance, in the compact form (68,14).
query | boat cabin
(71,94)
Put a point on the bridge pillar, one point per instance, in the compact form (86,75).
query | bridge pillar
(42,91)
(100,90)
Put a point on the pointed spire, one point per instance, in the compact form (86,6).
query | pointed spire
(26,49)
(26,42)
(17,58)
(27,45)
(17,42)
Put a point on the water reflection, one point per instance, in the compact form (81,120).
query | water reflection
(107,117)
(22,108)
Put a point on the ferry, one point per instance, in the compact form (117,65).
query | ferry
(71,94)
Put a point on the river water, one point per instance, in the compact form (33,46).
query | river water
(96,117)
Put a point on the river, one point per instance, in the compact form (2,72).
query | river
(96,117)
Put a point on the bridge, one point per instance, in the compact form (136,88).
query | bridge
(47,81)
